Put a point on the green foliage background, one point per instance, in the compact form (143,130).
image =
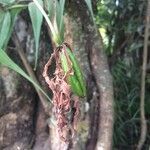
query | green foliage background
(121,25)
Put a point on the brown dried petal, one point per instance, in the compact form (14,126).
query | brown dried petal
(61,93)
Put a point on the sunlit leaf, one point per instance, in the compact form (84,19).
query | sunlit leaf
(4,30)
(36,18)
(5,60)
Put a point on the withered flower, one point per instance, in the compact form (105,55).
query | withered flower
(67,79)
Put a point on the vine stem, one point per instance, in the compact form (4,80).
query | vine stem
(142,100)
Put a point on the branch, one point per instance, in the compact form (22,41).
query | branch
(103,79)
(142,100)
(21,53)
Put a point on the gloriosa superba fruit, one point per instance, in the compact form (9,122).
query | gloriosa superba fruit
(72,70)
(67,79)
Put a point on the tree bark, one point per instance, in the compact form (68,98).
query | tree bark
(87,43)
(94,129)
(16,112)
(17,106)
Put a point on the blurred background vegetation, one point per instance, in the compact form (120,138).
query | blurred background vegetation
(121,24)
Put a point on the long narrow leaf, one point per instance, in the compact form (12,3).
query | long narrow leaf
(6,2)
(2,15)
(36,18)
(62,5)
(4,31)
(5,60)
(55,35)
(89,4)
(49,5)
(59,16)
(14,12)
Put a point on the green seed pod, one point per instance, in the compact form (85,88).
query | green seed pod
(77,71)
(70,64)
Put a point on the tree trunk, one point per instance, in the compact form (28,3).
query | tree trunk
(87,44)
(17,110)
(25,121)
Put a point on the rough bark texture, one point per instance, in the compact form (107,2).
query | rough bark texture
(88,46)
(24,124)
(17,105)
(104,84)
(16,113)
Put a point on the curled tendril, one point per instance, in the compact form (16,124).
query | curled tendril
(63,103)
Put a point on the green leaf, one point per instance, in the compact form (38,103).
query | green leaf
(36,18)
(89,4)
(7,2)
(17,6)
(2,15)
(7,20)
(4,30)
(59,17)
(5,60)
(49,5)
(14,12)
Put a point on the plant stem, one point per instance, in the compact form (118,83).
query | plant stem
(21,53)
(18,6)
(142,100)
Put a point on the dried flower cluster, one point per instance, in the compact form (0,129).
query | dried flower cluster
(66,109)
